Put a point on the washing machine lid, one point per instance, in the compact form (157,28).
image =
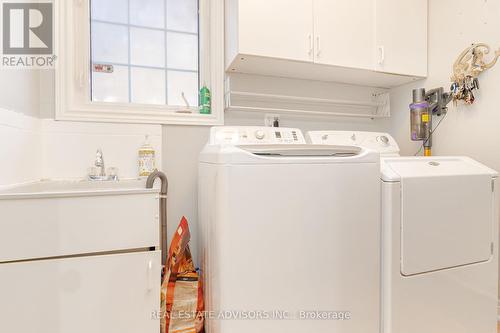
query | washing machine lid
(302,150)
(447,212)
(286,154)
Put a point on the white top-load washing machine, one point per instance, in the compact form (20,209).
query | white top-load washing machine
(440,231)
(290,233)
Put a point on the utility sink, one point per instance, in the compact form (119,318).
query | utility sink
(51,219)
(79,256)
(47,188)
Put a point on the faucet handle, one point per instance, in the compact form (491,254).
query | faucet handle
(99,157)
(99,162)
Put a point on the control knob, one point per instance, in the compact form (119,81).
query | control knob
(384,140)
(260,134)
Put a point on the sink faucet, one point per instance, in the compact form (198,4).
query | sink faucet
(98,172)
(99,163)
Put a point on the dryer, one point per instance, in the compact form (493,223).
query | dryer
(283,250)
(439,239)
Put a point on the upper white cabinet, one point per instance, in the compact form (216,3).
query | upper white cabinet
(271,32)
(380,43)
(401,30)
(342,39)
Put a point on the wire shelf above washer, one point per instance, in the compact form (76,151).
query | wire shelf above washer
(378,107)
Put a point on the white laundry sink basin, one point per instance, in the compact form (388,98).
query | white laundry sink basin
(45,189)
(51,219)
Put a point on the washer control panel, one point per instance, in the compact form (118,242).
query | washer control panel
(381,142)
(242,135)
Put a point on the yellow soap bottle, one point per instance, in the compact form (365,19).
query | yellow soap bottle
(147,161)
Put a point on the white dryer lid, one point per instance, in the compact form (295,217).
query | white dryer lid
(445,206)
(395,169)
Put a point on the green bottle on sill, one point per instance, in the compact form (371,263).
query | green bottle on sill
(205,100)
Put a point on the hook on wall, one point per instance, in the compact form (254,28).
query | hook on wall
(466,70)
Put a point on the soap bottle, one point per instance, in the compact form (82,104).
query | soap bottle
(147,162)
(205,100)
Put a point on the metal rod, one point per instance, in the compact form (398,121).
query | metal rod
(307,99)
(163,210)
(302,112)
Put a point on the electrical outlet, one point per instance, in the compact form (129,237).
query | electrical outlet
(269,119)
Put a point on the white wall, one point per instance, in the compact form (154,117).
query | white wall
(34,149)
(181,146)
(20,156)
(466,130)
(20,91)
(20,153)
(69,148)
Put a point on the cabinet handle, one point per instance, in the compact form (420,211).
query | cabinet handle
(318,45)
(381,51)
(150,276)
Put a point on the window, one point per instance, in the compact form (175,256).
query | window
(140,60)
(145,51)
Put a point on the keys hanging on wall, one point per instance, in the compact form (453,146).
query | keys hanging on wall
(464,90)
(466,69)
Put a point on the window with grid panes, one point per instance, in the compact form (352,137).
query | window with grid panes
(145,51)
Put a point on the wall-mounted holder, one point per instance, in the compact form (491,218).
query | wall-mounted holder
(466,70)
(425,105)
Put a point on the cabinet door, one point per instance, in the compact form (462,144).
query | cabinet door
(100,294)
(344,33)
(276,28)
(401,30)
(53,227)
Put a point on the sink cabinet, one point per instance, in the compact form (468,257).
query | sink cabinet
(43,227)
(80,257)
(117,293)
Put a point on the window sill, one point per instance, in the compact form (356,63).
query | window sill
(147,114)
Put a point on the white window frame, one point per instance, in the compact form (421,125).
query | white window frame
(73,101)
